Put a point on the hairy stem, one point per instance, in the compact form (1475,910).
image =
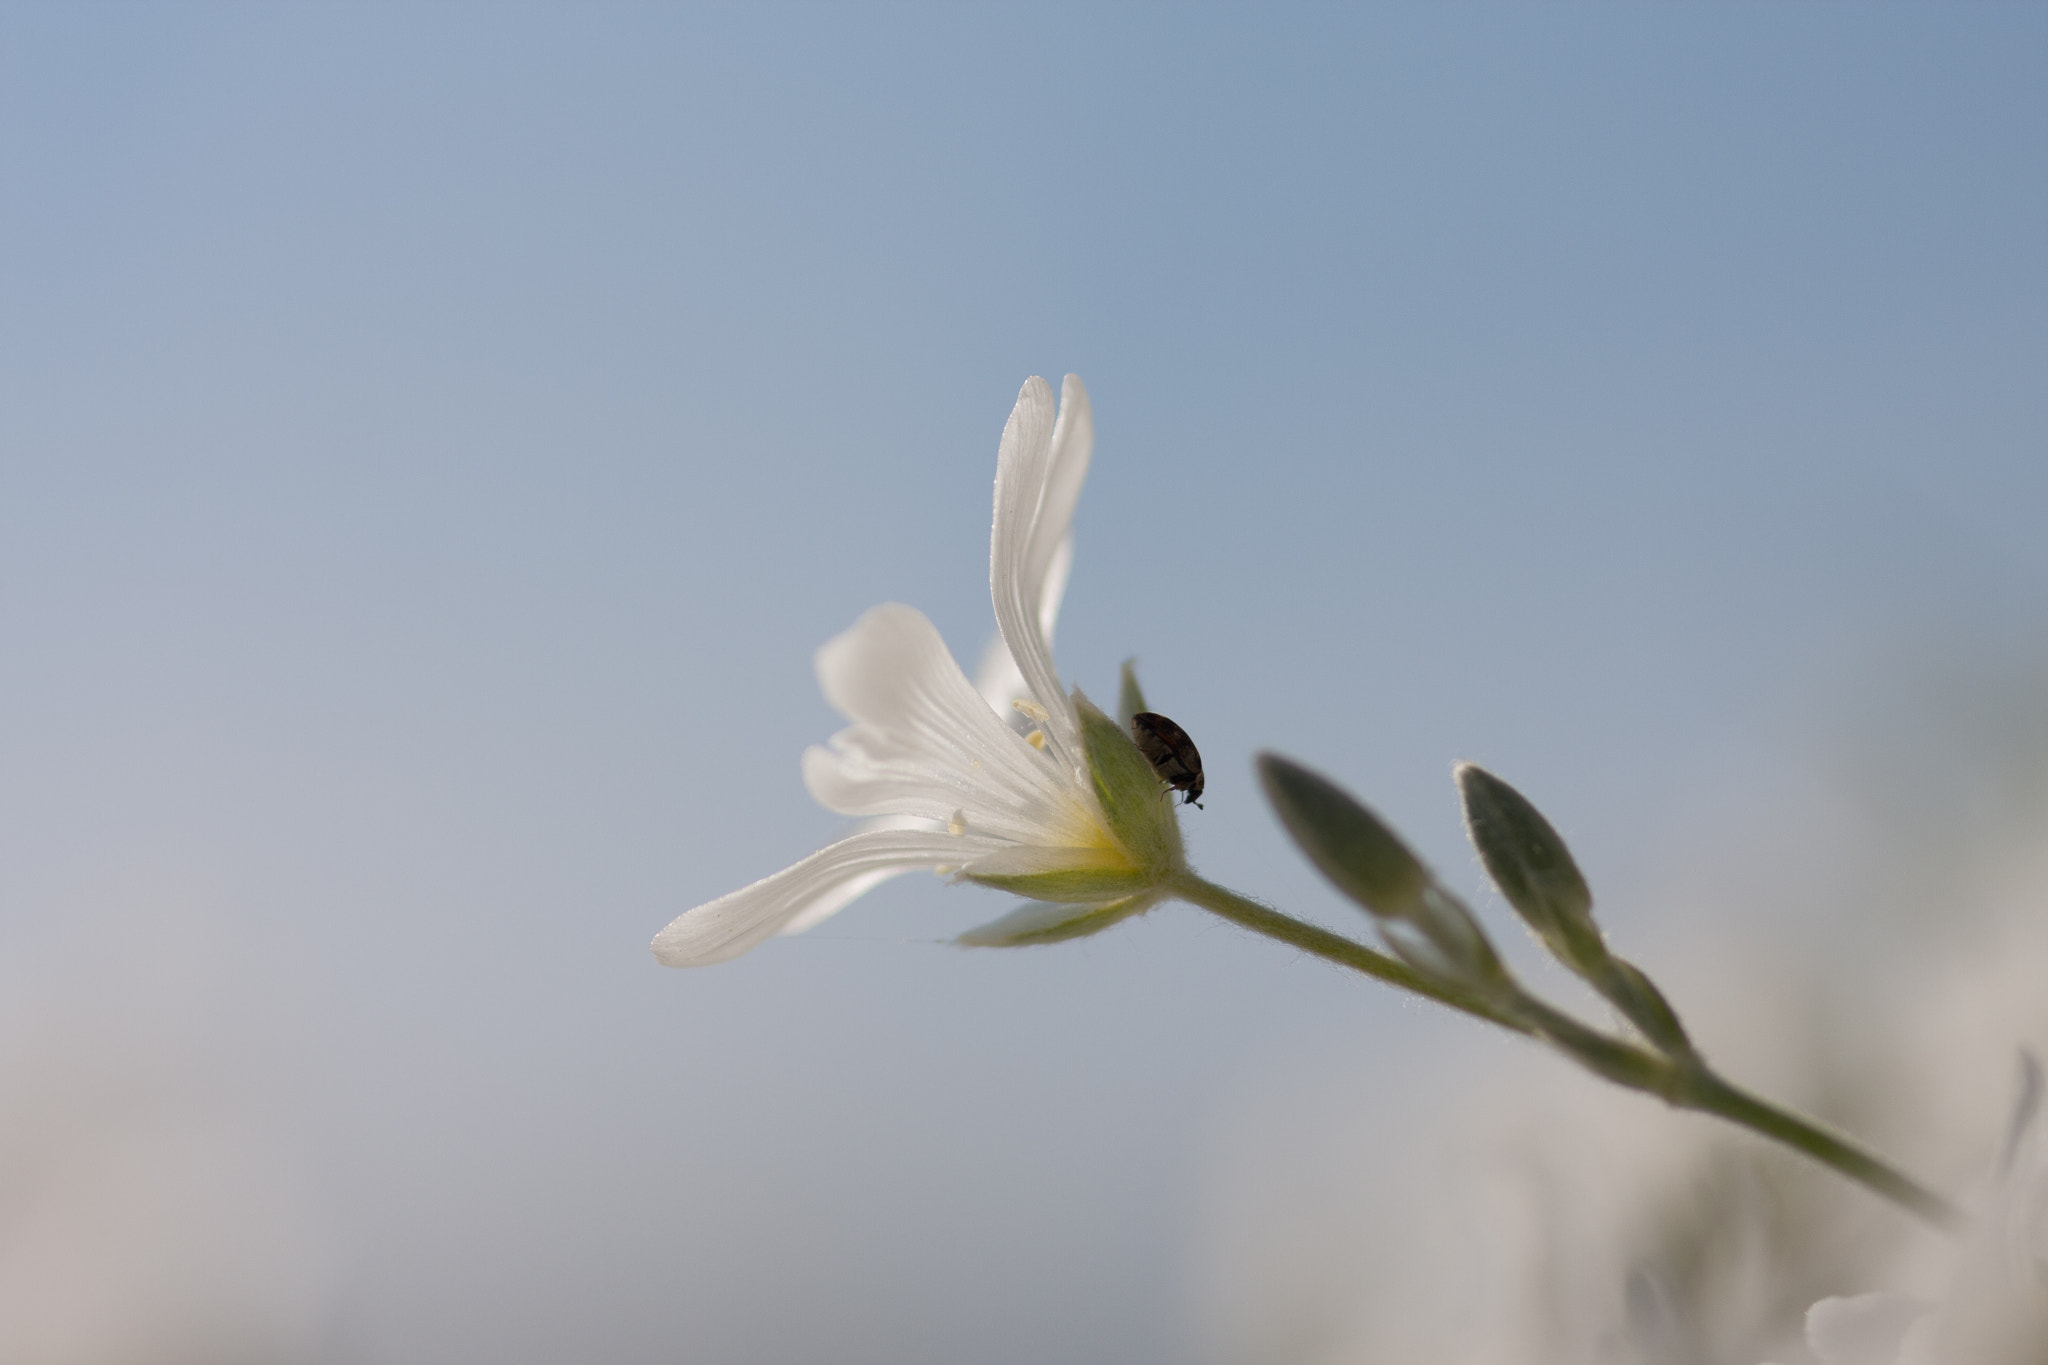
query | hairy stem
(1310,938)
(1709,1094)
(1683,1081)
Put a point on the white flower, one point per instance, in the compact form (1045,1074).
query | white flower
(1028,790)
(1996,1311)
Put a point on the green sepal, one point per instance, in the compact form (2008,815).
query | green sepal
(1642,1004)
(1040,922)
(1134,802)
(1130,698)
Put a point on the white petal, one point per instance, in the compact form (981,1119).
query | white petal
(849,891)
(1053,587)
(1073,446)
(1865,1329)
(924,742)
(732,924)
(825,907)
(1034,504)
(890,670)
(1031,860)
(1922,1343)
(997,679)
(859,773)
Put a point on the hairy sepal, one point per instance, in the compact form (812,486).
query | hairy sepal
(1041,922)
(1136,804)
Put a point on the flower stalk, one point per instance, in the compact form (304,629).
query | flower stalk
(1683,1082)
(1320,942)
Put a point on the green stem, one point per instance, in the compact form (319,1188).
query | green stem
(1707,1093)
(1683,1081)
(1263,919)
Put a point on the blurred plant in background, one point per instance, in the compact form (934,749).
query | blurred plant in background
(154,1209)
(1540,1218)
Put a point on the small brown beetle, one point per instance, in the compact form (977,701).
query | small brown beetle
(1171,753)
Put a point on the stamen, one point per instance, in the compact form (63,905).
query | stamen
(1036,739)
(1030,708)
(957,826)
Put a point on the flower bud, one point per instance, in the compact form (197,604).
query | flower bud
(1529,862)
(1423,923)
(1347,843)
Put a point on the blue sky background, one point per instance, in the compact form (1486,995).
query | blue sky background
(434,440)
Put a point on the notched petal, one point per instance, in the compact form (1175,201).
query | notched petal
(1032,510)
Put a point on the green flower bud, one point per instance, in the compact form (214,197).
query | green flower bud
(1529,862)
(1423,923)
(1347,843)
